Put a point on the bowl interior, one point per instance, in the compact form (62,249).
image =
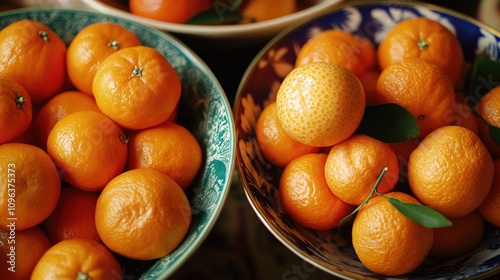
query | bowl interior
(332,250)
(203,109)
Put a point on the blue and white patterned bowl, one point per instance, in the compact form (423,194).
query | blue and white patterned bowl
(332,250)
(203,109)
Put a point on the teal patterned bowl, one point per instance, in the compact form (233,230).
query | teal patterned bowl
(203,109)
(332,250)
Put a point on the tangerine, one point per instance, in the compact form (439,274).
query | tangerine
(386,241)
(30,50)
(276,145)
(451,171)
(353,166)
(89,149)
(320,104)
(305,194)
(77,259)
(16,111)
(30,184)
(142,214)
(422,88)
(90,46)
(424,38)
(338,47)
(137,87)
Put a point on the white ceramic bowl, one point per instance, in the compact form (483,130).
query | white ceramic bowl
(236,34)
(203,109)
(332,250)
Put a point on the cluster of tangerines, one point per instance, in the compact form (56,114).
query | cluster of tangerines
(93,162)
(212,12)
(330,169)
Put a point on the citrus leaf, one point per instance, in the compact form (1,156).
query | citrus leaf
(220,13)
(420,214)
(484,75)
(388,123)
(494,133)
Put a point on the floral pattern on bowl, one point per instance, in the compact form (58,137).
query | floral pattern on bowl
(332,250)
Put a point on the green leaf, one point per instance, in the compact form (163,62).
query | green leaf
(222,12)
(494,133)
(388,123)
(420,214)
(484,75)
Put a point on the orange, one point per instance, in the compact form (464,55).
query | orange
(30,185)
(77,259)
(451,171)
(91,46)
(276,145)
(320,104)
(422,88)
(490,208)
(137,87)
(58,107)
(306,196)
(174,11)
(261,10)
(462,115)
(460,238)
(339,47)
(20,252)
(353,166)
(403,150)
(424,38)
(73,217)
(386,241)
(15,109)
(142,214)
(369,81)
(34,56)
(169,148)
(88,148)
(489,113)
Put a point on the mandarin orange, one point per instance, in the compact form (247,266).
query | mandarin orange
(21,251)
(73,217)
(90,46)
(306,197)
(422,88)
(353,166)
(66,260)
(30,184)
(89,149)
(451,171)
(174,11)
(137,87)
(142,214)
(338,47)
(170,148)
(320,104)
(424,38)
(29,50)
(58,107)
(16,111)
(490,208)
(276,145)
(386,241)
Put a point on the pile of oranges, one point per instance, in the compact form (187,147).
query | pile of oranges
(214,12)
(331,169)
(93,162)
